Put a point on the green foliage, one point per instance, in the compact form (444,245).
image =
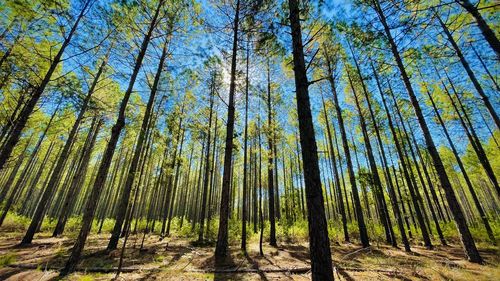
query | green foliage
(15,223)
(7,259)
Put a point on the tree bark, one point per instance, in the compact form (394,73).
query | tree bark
(222,236)
(487,32)
(245,148)
(392,193)
(479,208)
(25,113)
(61,162)
(319,243)
(78,179)
(463,230)
(363,232)
(270,165)
(407,176)
(471,74)
(336,176)
(384,216)
(93,199)
(19,187)
(124,200)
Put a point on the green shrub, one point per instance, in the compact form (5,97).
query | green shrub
(7,259)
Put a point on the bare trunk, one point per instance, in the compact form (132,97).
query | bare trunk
(463,230)
(319,243)
(222,236)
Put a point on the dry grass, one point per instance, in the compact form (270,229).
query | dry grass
(177,259)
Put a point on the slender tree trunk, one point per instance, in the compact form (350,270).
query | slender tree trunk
(487,32)
(463,230)
(130,179)
(392,193)
(12,119)
(25,113)
(261,215)
(207,162)
(15,169)
(19,187)
(497,87)
(61,162)
(270,166)
(175,183)
(319,243)
(471,134)
(409,183)
(78,179)
(479,208)
(471,74)
(222,236)
(336,176)
(384,216)
(102,173)
(245,173)
(363,233)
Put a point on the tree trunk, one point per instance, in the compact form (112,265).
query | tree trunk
(471,134)
(270,166)
(487,32)
(222,236)
(15,169)
(19,187)
(25,113)
(409,183)
(480,210)
(61,161)
(78,178)
(363,233)
(319,243)
(245,148)
(336,176)
(471,74)
(463,230)
(207,163)
(124,200)
(102,173)
(392,193)
(384,216)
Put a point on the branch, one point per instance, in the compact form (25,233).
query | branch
(312,59)
(317,80)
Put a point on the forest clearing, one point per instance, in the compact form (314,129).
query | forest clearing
(249,140)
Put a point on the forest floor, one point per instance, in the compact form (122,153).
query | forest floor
(178,259)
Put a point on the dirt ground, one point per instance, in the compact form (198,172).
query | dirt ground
(178,259)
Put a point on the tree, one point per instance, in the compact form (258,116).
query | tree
(465,235)
(319,244)
(222,236)
(102,173)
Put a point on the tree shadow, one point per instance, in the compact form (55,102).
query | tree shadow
(298,252)
(181,251)
(7,272)
(344,274)
(400,277)
(221,266)
(255,265)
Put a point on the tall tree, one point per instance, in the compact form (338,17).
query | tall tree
(472,76)
(319,243)
(486,30)
(222,236)
(37,92)
(91,205)
(131,175)
(463,230)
